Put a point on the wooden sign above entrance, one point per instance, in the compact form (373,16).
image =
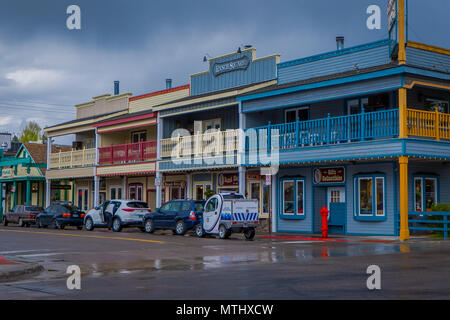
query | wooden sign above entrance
(329,175)
(228,179)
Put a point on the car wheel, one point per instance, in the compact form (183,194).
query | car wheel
(116,226)
(180,229)
(148,226)
(54,224)
(89,225)
(5,221)
(223,232)
(21,224)
(249,233)
(199,232)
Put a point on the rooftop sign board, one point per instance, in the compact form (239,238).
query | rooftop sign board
(229,66)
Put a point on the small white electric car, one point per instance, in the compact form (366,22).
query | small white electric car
(116,214)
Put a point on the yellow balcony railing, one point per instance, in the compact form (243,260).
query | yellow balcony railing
(218,142)
(72,159)
(428,124)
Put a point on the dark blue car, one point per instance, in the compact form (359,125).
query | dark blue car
(176,215)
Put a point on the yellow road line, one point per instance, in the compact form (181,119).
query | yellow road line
(86,236)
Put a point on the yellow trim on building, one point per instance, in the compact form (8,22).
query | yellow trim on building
(427,47)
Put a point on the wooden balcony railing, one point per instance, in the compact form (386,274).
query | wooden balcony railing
(330,130)
(72,159)
(220,142)
(127,153)
(428,124)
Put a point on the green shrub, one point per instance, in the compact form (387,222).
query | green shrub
(440,207)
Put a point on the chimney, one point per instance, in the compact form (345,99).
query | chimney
(168,83)
(116,88)
(340,43)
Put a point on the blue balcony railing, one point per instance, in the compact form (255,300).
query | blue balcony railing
(330,130)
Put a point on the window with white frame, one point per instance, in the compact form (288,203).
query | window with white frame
(370,197)
(294,114)
(425,193)
(293,198)
(115,193)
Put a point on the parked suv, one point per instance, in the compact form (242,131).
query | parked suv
(116,214)
(22,214)
(176,215)
(58,216)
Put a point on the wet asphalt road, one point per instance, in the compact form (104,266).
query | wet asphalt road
(134,265)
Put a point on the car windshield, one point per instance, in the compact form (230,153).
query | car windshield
(34,208)
(198,206)
(138,205)
(233,196)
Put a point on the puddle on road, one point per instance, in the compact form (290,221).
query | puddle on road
(280,254)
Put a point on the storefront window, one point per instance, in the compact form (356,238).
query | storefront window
(365,196)
(135,192)
(288,198)
(116,193)
(425,193)
(300,197)
(370,198)
(380,196)
(293,200)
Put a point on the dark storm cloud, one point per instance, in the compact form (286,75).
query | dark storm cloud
(142,42)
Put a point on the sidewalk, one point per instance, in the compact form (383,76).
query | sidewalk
(11,270)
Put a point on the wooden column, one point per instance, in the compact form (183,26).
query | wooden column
(403,117)
(403,168)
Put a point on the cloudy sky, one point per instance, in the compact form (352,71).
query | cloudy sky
(45,68)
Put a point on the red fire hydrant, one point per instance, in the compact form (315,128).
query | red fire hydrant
(324,213)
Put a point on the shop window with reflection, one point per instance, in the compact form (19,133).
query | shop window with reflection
(135,192)
(293,198)
(425,192)
(116,193)
(370,194)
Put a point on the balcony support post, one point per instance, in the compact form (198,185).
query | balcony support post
(242,180)
(48,184)
(403,168)
(96,191)
(363,123)
(328,128)
(403,120)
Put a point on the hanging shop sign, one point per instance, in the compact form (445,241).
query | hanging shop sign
(230,66)
(8,172)
(175,184)
(254,177)
(228,179)
(329,175)
(61,187)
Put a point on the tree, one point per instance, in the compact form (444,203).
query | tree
(31,132)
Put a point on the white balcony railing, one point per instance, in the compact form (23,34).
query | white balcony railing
(219,142)
(72,159)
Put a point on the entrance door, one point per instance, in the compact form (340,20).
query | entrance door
(151,199)
(337,208)
(255,193)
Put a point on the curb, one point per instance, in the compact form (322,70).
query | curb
(17,269)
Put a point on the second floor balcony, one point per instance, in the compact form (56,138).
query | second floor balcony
(347,129)
(128,153)
(73,159)
(199,145)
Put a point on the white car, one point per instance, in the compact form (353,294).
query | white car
(124,213)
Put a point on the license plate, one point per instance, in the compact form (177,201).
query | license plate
(75,215)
